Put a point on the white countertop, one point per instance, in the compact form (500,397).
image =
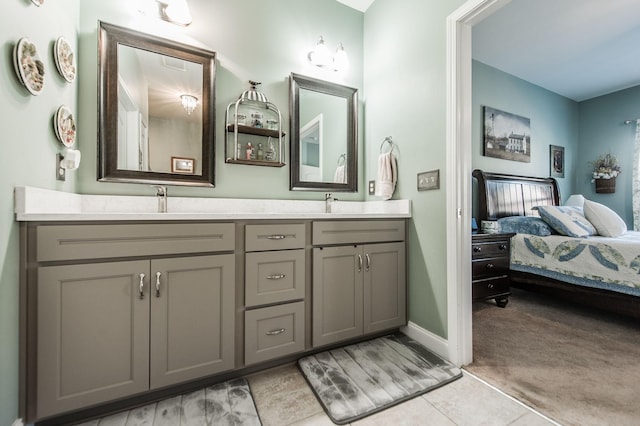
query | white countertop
(37,204)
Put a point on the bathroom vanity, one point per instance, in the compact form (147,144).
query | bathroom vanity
(135,306)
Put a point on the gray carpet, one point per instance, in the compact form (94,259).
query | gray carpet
(574,364)
(361,379)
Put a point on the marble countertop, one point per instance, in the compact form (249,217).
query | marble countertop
(36,204)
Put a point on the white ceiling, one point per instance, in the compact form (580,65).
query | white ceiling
(577,48)
(361,5)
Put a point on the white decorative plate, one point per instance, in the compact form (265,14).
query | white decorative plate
(65,126)
(38,2)
(65,59)
(29,67)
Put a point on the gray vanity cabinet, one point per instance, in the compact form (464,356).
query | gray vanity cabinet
(274,291)
(357,288)
(110,327)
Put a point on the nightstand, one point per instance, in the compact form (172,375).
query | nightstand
(490,267)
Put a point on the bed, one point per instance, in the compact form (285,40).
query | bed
(598,271)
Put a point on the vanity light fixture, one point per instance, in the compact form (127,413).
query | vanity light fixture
(321,57)
(174,11)
(189,103)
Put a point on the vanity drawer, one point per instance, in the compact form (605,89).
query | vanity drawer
(490,267)
(274,237)
(69,242)
(274,276)
(273,332)
(364,231)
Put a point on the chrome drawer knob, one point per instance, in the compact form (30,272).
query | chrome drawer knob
(490,266)
(490,286)
(502,246)
(477,249)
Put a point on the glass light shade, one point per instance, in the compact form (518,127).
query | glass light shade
(177,11)
(340,60)
(189,103)
(320,56)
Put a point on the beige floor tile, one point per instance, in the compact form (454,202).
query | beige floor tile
(416,411)
(282,396)
(468,401)
(533,419)
(316,420)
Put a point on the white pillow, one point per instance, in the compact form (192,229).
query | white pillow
(606,221)
(567,220)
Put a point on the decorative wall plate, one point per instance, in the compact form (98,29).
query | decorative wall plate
(29,67)
(38,2)
(65,126)
(65,59)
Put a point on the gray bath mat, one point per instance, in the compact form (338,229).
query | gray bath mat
(361,379)
(224,404)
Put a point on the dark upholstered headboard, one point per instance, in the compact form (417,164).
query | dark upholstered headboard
(503,195)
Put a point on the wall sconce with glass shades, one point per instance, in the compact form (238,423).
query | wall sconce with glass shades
(189,103)
(321,57)
(174,11)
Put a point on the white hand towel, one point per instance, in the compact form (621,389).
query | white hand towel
(387,175)
(340,175)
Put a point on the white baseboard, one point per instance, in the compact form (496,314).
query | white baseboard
(431,341)
(17,422)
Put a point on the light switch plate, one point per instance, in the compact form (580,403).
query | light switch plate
(372,187)
(429,180)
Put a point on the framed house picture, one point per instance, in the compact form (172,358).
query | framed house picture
(506,135)
(556,161)
(182,165)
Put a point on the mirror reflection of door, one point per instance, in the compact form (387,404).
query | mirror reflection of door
(311,144)
(153,124)
(329,114)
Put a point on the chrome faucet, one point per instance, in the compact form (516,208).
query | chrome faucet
(328,202)
(161,193)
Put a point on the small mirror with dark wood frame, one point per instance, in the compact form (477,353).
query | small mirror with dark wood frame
(156,110)
(324,137)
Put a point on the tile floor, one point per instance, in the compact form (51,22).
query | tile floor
(283,397)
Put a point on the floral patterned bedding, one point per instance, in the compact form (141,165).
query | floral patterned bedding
(600,262)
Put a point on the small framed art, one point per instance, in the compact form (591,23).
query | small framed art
(182,165)
(556,161)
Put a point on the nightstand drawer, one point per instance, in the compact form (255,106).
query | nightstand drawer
(490,249)
(490,267)
(491,287)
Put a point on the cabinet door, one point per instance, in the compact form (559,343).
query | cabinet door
(93,334)
(384,287)
(337,294)
(192,318)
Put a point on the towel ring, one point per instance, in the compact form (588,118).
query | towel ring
(388,140)
(342,160)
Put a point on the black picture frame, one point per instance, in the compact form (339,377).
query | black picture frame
(556,161)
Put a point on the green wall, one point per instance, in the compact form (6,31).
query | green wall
(602,131)
(554,121)
(405,87)
(262,40)
(254,40)
(29,147)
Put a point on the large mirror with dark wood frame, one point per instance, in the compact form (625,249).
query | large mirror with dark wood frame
(156,110)
(323,135)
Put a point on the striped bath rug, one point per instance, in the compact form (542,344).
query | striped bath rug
(361,379)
